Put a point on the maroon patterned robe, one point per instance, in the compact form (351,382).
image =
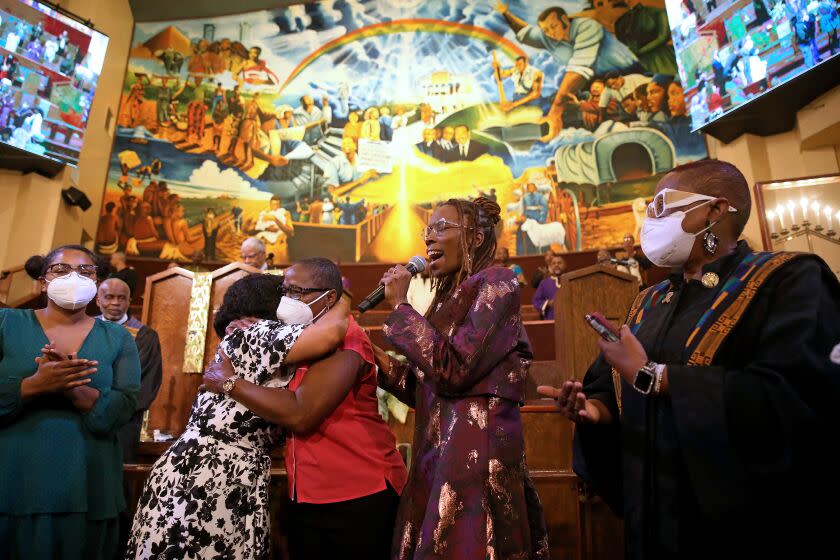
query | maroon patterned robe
(469,494)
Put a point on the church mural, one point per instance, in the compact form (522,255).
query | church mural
(333,128)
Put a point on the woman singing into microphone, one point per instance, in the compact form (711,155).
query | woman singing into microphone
(469,495)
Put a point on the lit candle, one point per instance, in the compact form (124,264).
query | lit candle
(780,212)
(815,206)
(803,202)
(827,212)
(771,220)
(791,205)
(837,215)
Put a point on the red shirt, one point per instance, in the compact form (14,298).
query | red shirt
(353,452)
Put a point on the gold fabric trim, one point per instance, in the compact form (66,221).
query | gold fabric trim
(197,323)
(616,377)
(717,333)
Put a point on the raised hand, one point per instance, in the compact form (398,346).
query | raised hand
(572,403)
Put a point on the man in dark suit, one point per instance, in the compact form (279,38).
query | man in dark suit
(428,146)
(467,149)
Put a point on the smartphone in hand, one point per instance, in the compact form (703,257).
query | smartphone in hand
(602,326)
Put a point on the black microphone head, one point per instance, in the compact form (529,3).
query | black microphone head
(416,264)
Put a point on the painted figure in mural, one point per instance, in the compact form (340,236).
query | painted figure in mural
(581,46)
(237,211)
(371,128)
(218,116)
(236,108)
(255,71)
(248,131)
(527,82)
(645,30)
(343,174)
(210,229)
(328,216)
(467,149)
(429,145)
(536,204)
(134,101)
(353,128)
(188,241)
(447,149)
(309,113)
(107,234)
(275,224)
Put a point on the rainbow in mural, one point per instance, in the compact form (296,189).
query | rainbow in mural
(333,128)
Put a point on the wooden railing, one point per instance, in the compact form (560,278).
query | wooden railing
(346,243)
(16,287)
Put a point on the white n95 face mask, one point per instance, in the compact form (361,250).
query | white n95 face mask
(665,242)
(71,291)
(295,312)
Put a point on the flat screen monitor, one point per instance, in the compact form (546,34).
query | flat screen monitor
(732,52)
(49,69)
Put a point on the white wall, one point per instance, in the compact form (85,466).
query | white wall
(781,156)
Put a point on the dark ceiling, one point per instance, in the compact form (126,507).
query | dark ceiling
(155,10)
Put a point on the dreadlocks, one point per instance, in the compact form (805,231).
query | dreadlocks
(481,214)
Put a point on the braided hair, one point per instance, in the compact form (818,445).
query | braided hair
(481,214)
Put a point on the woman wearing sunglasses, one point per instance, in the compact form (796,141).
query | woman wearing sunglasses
(67,384)
(469,495)
(707,421)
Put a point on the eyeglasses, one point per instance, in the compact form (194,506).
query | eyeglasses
(63,269)
(668,199)
(438,228)
(296,292)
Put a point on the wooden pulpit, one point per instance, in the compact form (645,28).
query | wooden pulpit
(594,288)
(179,305)
(610,292)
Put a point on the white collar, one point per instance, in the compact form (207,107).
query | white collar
(120,321)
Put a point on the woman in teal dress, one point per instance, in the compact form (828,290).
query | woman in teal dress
(67,384)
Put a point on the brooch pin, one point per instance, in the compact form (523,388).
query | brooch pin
(710,280)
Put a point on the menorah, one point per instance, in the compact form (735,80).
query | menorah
(823,222)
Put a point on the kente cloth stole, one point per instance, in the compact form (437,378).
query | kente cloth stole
(719,320)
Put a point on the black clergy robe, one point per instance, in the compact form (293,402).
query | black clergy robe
(731,463)
(151,375)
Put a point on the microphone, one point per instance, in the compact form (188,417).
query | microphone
(415,264)
(622,262)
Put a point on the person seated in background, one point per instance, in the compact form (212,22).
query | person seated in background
(503,259)
(604,257)
(636,261)
(345,473)
(121,271)
(224,450)
(113,299)
(543,299)
(542,271)
(253,253)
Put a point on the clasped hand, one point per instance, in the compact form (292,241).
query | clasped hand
(57,372)
(216,373)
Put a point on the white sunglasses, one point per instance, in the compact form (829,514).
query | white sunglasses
(668,199)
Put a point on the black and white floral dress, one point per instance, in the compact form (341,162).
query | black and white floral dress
(207,495)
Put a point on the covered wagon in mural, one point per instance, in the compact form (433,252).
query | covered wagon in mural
(616,156)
